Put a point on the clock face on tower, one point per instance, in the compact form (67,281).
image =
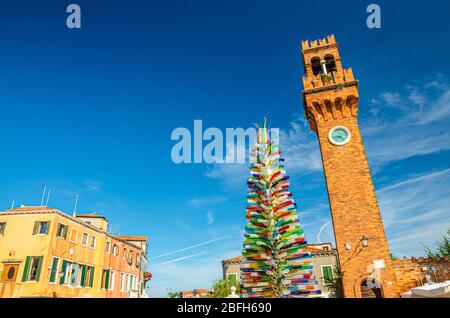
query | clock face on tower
(339,135)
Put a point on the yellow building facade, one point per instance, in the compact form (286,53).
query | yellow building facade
(47,253)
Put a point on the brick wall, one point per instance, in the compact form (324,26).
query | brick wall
(411,273)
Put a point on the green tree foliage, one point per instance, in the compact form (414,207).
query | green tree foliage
(335,283)
(222,288)
(442,247)
(173,294)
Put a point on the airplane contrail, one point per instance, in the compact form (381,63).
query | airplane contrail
(179,259)
(190,247)
(321,230)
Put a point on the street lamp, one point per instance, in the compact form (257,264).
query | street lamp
(365,241)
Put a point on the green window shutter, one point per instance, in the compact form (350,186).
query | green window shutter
(48,227)
(83,275)
(54,271)
(39,267)
(26,269)
(91,277)
(35,229)
(65,232)
(107,280)
(63,270)
(327,274)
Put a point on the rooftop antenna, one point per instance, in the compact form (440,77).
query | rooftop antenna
(12,205)
(75,207)
(43,194)
(48,196)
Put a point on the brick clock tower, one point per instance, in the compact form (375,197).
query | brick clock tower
(330,100)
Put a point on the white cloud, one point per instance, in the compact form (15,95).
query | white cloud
(207,201)
(300,147)
(392,99)
(419,129)
(416,97)
(416,211)
(183,225)
(92,185)
(396,143)
(230,173)
(439,109)
(210,217)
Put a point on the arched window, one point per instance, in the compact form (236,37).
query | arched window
(330,64)
(11,273)
(315,64)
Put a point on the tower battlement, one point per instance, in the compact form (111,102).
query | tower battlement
(329,40)
(330,90)
(322,65)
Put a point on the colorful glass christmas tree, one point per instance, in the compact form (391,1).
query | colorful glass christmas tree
(275,261)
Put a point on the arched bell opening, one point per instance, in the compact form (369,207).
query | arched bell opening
(315,65)
(330,64)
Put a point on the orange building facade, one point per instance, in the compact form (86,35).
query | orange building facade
(47,253)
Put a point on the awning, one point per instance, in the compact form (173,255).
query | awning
(438,290)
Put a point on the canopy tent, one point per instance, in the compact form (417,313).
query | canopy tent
(438,290)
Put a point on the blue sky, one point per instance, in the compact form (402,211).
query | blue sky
(91,112)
